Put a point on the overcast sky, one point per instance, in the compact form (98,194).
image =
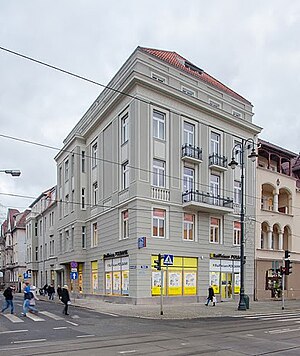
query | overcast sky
(251,46)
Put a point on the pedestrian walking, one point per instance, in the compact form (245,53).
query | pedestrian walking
(27,297)
(65,298)
(8,295)
(51,292)
(45,289)
(59,291)
(211,296)
(32,304)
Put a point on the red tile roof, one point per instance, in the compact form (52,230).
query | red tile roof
(178,61)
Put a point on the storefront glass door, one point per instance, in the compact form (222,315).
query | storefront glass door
(226,285)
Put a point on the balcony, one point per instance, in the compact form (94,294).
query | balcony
(218,162)
(191,153)
(206,202)
(160,194)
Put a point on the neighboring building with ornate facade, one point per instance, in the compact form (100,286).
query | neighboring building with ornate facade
(13,247)
(145,172)
(277,220)
(41,239)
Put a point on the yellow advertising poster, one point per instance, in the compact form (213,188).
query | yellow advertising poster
(108,283)
(215,281)
(236,283)
(125,282)
(174,282)
(190,282)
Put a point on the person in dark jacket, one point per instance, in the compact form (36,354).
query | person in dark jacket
(51,292)
(210,296)
(65,298)
(59,291)
(8,295)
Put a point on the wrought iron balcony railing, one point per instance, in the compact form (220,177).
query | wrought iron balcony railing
(206,198)
(191,151)
(218,160)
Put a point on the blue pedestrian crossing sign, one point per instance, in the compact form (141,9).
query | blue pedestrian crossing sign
(168,260)
(74,275)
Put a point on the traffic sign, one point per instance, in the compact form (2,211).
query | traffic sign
(74,275)
(74,264)
(142,242)
(168,260)
(73,269)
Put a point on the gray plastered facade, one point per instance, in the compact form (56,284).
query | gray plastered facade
(100,129)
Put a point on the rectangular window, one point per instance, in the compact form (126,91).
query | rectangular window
(83,198)
(188,179)
(67,204)
(159,125)
(188,227)
(72,238)
(237,192)
(67,241)
(35,229)
(238,152)
(60,176)
(72,200)
(188,91)
(36,253)
(215,185)
(236,233)
(83,161)
(125,175)
(215,230)
(158,173)
(83,237)
(125,225)
(95,193)
(158,78)
(214,104)
(236,114)
(159,223)
(215,140)
(188,133)
(124,129)
(60,242)
(94,155)
(72,165)
(94,235)
(66,170)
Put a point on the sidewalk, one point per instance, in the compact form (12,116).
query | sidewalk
(183,311)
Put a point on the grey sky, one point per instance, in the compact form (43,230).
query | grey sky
(251,46)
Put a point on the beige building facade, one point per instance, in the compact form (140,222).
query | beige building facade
(277,221)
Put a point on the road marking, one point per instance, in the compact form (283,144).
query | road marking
(13,331)
(13,318)
(127,352)
(52,316)
(249,335)
(291,318)
(27,341)
(271,316)
(281,331)
(85,335)
(111,314)
(70,322)
(34,317)
(60,328)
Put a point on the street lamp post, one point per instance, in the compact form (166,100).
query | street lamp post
(241,148)
(13,172)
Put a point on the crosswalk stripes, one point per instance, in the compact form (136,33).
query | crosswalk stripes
(293,317)
(33,317)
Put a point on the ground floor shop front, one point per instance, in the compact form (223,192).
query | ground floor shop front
(134,278)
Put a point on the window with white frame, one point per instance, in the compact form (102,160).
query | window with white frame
(188,133)
(159,119)
(238,152)
(94,154)
(83,237)
(188,91)
(215,185)
(95,193)
(159,223)
(125,224)
(236,233)
(83,161)
(125,175)
(82,198)
(124,128)
(237,192)
(67,240)
(188,179)
(215,140)
(158,78)
(215,230)
(188,227)
(94,241)
(66,170)
(158,173)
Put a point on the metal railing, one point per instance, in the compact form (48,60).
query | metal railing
(217,160)
(188,150)
(206,198)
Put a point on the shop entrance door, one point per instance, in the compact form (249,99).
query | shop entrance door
(226,285)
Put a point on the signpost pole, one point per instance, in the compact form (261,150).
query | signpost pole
(161,291)
(283,286)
